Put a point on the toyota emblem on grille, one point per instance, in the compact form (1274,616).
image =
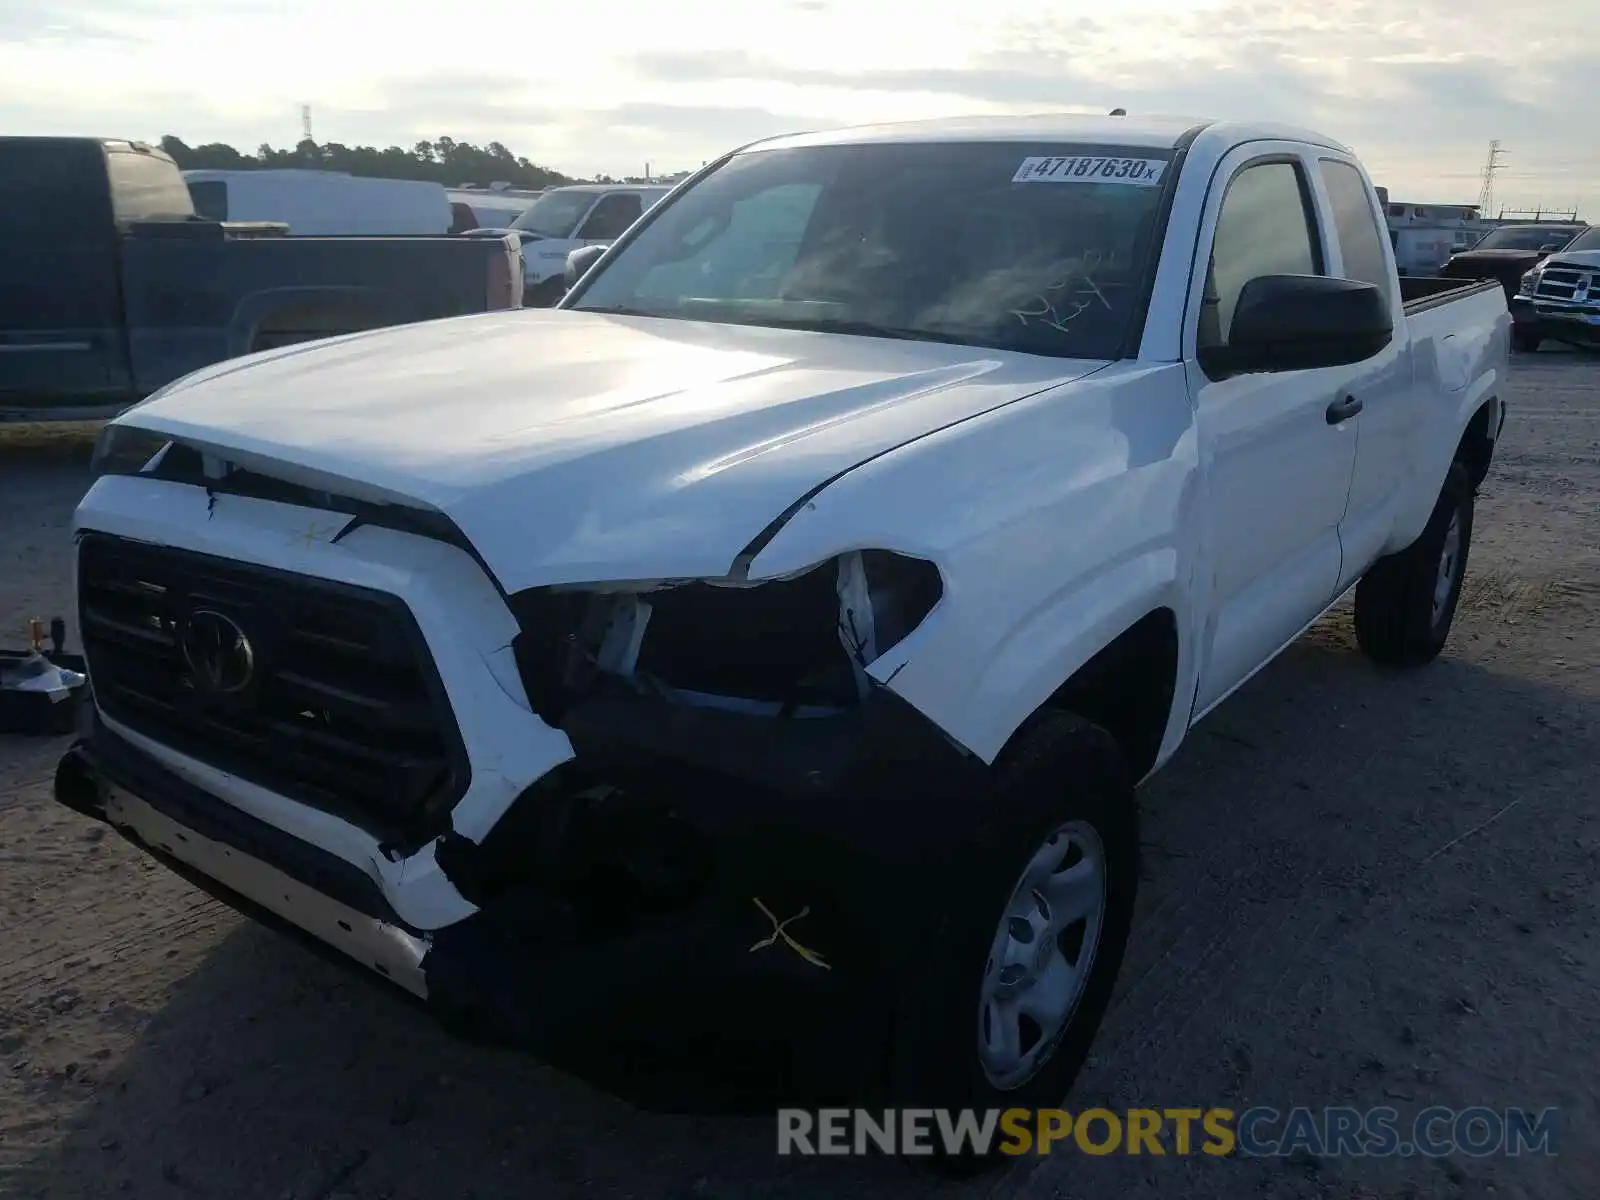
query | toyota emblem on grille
(218,652)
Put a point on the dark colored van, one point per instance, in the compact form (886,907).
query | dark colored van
(111,286)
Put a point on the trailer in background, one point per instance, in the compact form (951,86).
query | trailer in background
(1424,236)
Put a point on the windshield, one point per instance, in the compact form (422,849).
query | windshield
(1589,239)
(1526,237)
(1038,248)
(555,214)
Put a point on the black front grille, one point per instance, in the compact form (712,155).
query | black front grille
(1559,283)
(340,708)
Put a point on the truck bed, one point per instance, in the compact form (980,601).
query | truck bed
(193,301)
(1422,292)
(93,322)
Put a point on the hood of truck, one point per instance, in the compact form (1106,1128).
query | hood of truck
(1586,260)
(575,447)
(1501,264)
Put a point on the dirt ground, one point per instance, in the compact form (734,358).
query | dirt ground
(1361,889)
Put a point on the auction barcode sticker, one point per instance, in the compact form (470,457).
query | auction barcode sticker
(1140,172)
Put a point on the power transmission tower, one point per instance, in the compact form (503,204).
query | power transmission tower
(1491,167)
(305,124)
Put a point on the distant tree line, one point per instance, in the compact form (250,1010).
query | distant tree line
(445,161)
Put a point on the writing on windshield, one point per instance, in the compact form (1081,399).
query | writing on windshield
(1038,248)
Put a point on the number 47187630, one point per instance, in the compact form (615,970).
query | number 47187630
(1079,168)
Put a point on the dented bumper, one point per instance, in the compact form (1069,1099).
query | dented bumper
(691,870)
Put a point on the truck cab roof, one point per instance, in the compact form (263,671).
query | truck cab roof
(1153,132)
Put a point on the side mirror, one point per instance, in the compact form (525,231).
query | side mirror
(1300,322)
(1550,247)
(579,262)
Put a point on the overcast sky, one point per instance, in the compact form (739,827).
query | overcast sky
(1417,87)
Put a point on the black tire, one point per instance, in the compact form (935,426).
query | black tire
(1526,340)
(1396,621)
(1060,770)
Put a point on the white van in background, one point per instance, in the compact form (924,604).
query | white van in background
(326,203)
(494,208)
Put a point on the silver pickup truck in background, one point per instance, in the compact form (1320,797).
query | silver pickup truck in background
(111,287)
(1559,298)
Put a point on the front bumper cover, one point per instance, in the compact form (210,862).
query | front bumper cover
(853,820)
(1558,319)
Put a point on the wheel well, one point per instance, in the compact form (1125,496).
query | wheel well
(1476,448)
(1127,688)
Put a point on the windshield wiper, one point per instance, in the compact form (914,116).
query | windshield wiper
(859,328)
(619,310)
(829,325)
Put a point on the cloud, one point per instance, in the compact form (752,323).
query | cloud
(116,21)
(1419,115)
(733,125)
(1417,89)
(508,109)
(27,21)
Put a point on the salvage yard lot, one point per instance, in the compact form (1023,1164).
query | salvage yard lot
(1360,889)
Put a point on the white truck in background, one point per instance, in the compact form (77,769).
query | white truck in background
(494,207)
(565,219)
(322,203)
(767,644)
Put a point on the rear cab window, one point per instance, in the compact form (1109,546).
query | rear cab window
(210,197)
(146,187)
(1360,243)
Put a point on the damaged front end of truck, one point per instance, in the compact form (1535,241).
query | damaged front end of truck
(747,819)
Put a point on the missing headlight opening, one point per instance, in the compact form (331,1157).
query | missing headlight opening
(676,693)
(792,647)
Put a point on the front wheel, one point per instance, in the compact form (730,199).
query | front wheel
(1406,602)
(1526,340)
(1021,955)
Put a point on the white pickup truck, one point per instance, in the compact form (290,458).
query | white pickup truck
(565,219)
(788,617)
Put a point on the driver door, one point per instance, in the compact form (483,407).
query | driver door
(1278,465)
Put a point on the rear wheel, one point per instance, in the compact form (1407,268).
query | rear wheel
(1020,959)
(1406,602)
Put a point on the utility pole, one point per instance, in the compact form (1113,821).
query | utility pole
(1492,166)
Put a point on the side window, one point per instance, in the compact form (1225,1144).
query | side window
(744,255)
(1359,239)
(210,198)
(146,188)
(611,216)
(1265,228)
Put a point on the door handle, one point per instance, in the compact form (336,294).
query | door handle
(1343,410)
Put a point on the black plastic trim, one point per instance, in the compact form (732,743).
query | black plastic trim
(407,836)
(1449,296)
(110,759)
(1139,320)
